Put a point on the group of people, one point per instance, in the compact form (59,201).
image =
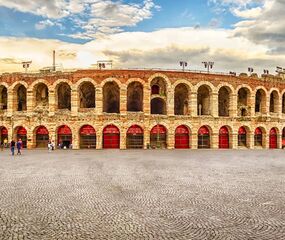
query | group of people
(18,145)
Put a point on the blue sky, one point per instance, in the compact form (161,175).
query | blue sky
(235,34)
(170,14)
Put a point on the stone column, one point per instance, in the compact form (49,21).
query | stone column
(74,102)
(30,139)
(215,105)
(99,100)
(215,140)
(30,101)
(75,139)
(170,102)
(233,106)
(250,140)
(234,141)
(193,104)
(123,144)
(10,103)
(170,139)
(146,100)
(146,137)
(252,105)
(266,141)
(194,141)
(279,141)
(99,140)
(52,101)
(123,100)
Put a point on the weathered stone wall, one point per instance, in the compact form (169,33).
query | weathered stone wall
(50,116)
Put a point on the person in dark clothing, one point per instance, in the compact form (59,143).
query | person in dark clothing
(12,146)
(19,147)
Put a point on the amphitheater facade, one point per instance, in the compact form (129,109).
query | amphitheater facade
(143,109)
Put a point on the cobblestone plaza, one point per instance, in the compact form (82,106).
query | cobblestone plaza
(133,195)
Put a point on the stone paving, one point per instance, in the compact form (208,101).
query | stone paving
(133,195)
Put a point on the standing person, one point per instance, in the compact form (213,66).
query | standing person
(12,146)
(19,147)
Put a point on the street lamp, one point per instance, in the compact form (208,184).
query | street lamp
(208,65)
(183,64)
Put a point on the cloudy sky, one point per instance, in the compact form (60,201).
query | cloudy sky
(235,34)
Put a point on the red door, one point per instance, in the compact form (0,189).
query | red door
(158,136)
(204,140)
(273,139)
(42,137)
(22,134)
(182,137)
(64,135)
(87,137)
(111,137)
(135,137)
(224,138)
(4,134)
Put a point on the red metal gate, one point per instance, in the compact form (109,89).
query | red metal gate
(87,137)
(258,137)
(111,137)
(22,134)
(64,136)
(158,137)
(4,134)
(42,137)
(135,137)
(182,137)
(273,139)
(224,138)
(242,137)
(204,140)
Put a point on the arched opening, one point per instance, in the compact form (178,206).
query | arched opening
(158,106)
(283,137)
(3,98)
(4,136)
(21,98)
(242,137)
(64,137)
(64,96)
(243,102)
(135,97)
(224,138)
(273,142)
(181,100)
(258,137)
(204,101)
(111,137)
(111,98)
(41,96)
(204,138)
(135,137)
(260,101)
(86,95)
(283,103)
(21,134)
(154,89)
(274,102)
(87,137)
(158,136)
(224,102)
(182,137)
(42,137)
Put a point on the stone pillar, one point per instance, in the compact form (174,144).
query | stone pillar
(30,139)
(251,104)
(194,141)
(99,140)
(30,101)
(266,141)
(170,102)
(75,139)
(123,143)
(193,104)
(170,139)
(250,140)
(74,102)
(99,100)
(215,140)
(146,100)
(146,137)
(10,103)
(279,140)
(215,105)
(234,141)
(123,100)
(52,101)
(233,106)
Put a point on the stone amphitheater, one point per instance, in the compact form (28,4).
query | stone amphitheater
(143,109)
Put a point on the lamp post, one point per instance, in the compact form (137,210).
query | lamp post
(208,65)
(183,64)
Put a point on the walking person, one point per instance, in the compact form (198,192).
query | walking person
(12,146)
(19,147)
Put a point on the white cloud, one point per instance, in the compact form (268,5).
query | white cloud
(163,48)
